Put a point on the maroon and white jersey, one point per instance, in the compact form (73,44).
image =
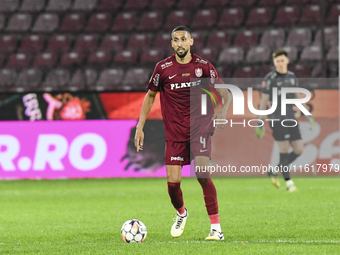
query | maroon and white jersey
(179,85)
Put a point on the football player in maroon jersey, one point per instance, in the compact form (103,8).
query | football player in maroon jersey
(174,77)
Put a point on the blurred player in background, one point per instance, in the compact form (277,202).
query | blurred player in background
(172,77)
(284,136)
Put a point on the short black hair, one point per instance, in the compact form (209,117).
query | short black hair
(280,52)
(181,28)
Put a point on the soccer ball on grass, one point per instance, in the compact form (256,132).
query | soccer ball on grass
(133,231)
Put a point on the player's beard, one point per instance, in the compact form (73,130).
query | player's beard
(182,55)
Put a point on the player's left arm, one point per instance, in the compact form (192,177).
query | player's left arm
(226,99)
(223,92)
(309,117)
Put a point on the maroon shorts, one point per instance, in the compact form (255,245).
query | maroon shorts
(181,153)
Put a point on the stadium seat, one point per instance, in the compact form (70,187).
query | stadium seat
(72,23)
(9,6)
(292,53)
(1,60)
(333,16)
(331,37)
(246,39)
(231,55)
(125,23)
(7,77)
(71,59)
(59,44)
(311,53)
(162,5)
(176,18)
(112,43)
(18,61)
(135,5)
(86,43)
(204,20)
(84,5)
(245,72)
(151,57)
(136,79)
(317,71)
(188,4)
(2,22)
(29,78)
(33,6)
(300,70)
(270,2)
(46,23)
(57,79)
(259,17)
(19,23)
(286,16)
(98,23)
(333,54)
(163,42)
(273,38)
(231,18)
(209,54)
(8,43)
(298,2)
(109,79)
(299,37)
(126,57)
(150,22)
(242,3)
(83,79)
(138,42)
(61,6)
(99,59)
(333,71)
(109,5)
(32,44)
(215,4)
(264,70)
(45,60)
(310,15)
(198,40)
(258,54)
(218,40)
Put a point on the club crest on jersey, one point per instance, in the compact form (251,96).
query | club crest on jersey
(198,72)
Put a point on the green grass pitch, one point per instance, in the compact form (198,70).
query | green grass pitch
(85,217)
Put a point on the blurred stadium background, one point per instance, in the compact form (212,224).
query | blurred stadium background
(113,45)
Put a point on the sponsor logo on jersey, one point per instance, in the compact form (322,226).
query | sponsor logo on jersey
(198,72)
(201,61)
(177,159)
(213,76)
(156,79)
(185,74)
(166,64)
(184,84)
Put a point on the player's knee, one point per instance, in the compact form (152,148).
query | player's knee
(173,178)
(298,151)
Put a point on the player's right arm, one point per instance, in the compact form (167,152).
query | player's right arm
(265,97)
(147,105)
(154,83)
